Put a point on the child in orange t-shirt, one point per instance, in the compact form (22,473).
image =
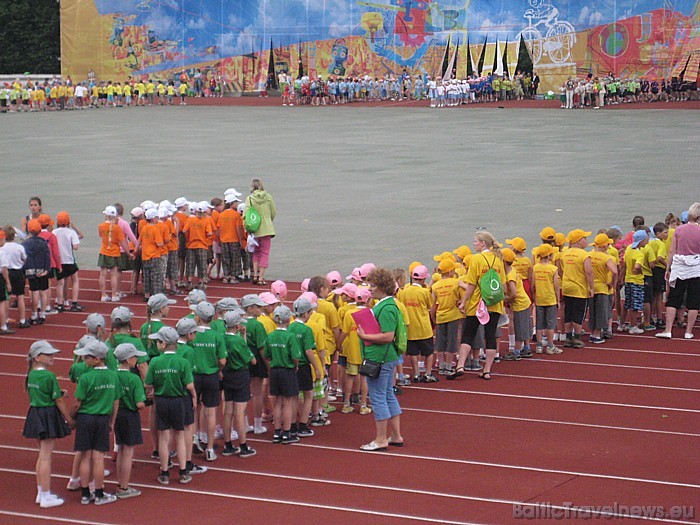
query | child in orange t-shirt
(151,239)
(181,217)
(216,206)
(231,233)
(112,238)
(198,231)
(170,242)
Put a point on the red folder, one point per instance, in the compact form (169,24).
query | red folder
(365,319)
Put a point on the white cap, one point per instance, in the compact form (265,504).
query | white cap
(241,207)
(148,204)
(163,213)
(193,207)
(204,205)
(228,199)
(151,213)
(165,204)
(232,191)
(181,201)
(137,212)
(110,211)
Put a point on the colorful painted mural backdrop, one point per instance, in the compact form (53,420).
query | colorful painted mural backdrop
(242,41)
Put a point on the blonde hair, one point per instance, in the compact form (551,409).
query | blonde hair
(694,212)
(490,242)
(257,184)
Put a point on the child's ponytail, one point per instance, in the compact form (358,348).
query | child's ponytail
(29,369)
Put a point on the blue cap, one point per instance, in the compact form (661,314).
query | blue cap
(639,236)
(684,217)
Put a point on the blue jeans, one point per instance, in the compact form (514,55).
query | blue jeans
(381,393)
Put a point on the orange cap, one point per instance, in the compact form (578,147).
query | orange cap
(44,220)
(63,219)
(34,226)
(508,255)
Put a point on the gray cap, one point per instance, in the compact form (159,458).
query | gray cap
(126,350)
(167,334)
(41,347)
(84,340)
(121,313)
(196,296)
(158,301)
(282,314)
(187,325)
(234,318)
(302,305)
(252,300)
(94,348)
(94,321)
(203,310)
(227,304)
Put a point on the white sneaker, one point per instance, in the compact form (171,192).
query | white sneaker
(234,435)
(73,484)
(664,335)
(635,330)
(210,455)
(259,430)
(203,438)
(249,429)
(50,500)
(688,335)
(105,298)
(219,433)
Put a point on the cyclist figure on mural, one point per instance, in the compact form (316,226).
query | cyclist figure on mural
(559,37)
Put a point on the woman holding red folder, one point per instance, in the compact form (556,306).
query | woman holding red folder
(380,347)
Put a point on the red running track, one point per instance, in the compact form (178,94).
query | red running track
(604,425)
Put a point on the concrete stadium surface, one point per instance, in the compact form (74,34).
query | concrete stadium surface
(357,184)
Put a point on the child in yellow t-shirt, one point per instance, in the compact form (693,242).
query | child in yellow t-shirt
(350,343)
(545,290)
(519,304)
(658,245)
(445,294)
(604,280)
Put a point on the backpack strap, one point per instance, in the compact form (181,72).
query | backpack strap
(490,265)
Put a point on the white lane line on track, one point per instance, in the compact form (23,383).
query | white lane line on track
(44,517)
(633,367)
(332,507)
(192,491)
(458,462)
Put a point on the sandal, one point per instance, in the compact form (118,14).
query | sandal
(483,376)
(394,443)
(254,280)
(459,372)
(261,282)
(373,447)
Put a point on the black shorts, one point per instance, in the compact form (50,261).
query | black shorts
(236,385)
(127,428)
(283,382)
(691,287)
(170,412)
(17,281)
(305,380)
(92,432)
(189,409)
(659,277)
(424,347)
(38,284)
(207,388)
(66,271)
(470,331)
(575,309)
(181,245)
(259,369)
(342,361)
(648,289)
(3,290)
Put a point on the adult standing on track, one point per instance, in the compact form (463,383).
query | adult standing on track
(683,273)
(265,206)
(381,349)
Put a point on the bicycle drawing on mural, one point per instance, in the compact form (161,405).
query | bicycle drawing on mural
(559,36)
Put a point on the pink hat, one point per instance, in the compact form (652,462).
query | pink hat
(420,272)
(348,289)
(269,299)
(305,285)
(311,297)
(334,277)
(482,314)
(356,275)
(366,268)
(279,288)
(363,295)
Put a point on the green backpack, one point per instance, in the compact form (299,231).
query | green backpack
(252,219)
(490,286)
(400,334)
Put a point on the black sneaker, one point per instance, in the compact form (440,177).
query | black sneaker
(155,455)
(277,438)
(305,432)
(398,390)
(230,450)
(354,399)
(196,469)
(526,354)
(288,440)
(430,378)
(25,324)
(247,452)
